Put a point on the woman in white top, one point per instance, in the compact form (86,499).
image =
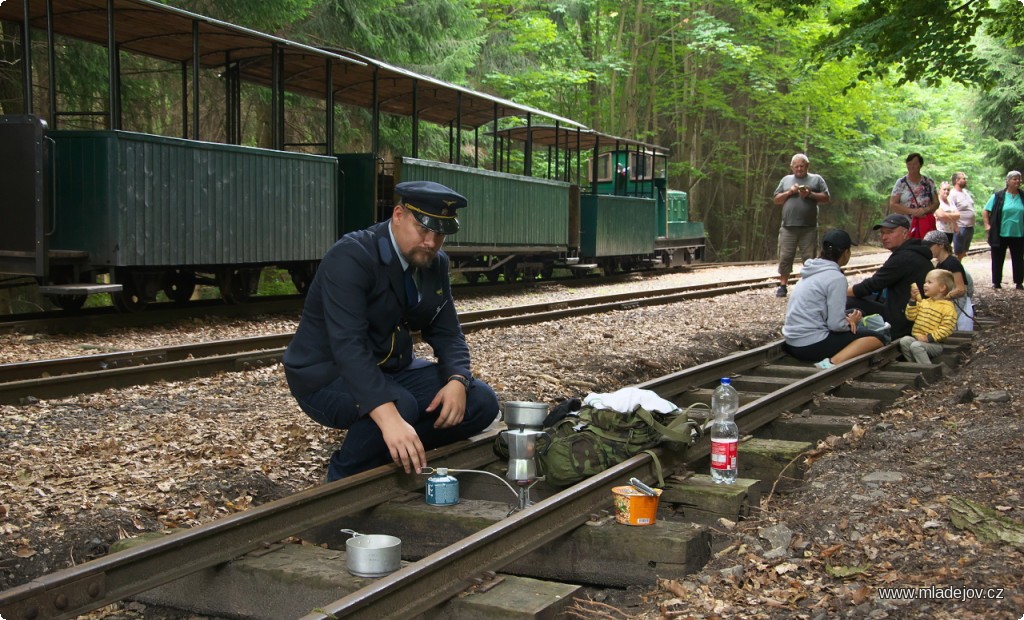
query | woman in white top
(947,215)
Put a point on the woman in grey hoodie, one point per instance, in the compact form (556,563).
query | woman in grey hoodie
(817,324)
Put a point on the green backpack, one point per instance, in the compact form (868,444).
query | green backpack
(592,440)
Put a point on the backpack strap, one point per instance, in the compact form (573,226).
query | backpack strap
(679,429)
(657,467)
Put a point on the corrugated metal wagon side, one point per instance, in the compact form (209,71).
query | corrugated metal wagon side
(147,206)
(515,225)
(617,228)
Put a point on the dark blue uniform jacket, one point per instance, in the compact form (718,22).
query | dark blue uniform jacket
(356,324)
(909,263)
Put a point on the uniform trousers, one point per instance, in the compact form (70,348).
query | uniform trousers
(364,447)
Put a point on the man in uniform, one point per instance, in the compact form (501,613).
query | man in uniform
(799,194)
(351,364)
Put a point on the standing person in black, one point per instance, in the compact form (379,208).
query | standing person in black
(351,364)
(1004,224)
(888,290)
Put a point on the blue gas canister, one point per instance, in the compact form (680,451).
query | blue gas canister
(442,489)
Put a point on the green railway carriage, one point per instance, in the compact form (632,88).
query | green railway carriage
(509,211)
(135,201)
(93,207)
(161,214)
(517,226)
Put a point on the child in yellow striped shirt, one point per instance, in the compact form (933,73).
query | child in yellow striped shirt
(934,317)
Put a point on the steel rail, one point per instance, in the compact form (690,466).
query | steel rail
(767,408)
(22,371)
(183,362)
(70,376)
(80,383)
(423,584)
(471,320)
(77,590)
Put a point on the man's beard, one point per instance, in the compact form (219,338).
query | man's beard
(421,258)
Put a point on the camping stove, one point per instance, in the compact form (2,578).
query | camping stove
(522,461)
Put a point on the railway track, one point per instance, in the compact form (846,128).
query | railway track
(160,313)
(90,373)
(772,388)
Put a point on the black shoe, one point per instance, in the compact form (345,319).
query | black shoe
(1019,287)
(997,286)
(781,291)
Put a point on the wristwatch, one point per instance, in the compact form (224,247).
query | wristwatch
(464,381)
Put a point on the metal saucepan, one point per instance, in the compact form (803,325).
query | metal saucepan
(522,414)
(372,555)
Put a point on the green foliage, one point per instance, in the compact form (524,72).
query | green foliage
(927,40)
(1000,108)
(440,38)
(276,282)
(916,40)
(265,15)
(535,55)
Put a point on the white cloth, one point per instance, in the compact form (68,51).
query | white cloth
(628,399)
(965,317)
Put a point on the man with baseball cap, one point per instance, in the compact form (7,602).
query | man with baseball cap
(351,364)
(888,291)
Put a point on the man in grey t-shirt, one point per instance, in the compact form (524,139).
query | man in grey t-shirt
(799,194)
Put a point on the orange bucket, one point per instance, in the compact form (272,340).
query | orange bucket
(633,507)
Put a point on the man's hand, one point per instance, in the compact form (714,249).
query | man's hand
(452,400)
(401,438)
(854,317)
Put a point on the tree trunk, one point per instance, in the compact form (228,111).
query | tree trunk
(11,70)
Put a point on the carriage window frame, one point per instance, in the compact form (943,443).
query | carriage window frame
(604,168)
(647,168)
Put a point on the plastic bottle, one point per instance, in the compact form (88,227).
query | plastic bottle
(725,434)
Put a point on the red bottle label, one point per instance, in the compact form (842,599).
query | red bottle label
(723,453)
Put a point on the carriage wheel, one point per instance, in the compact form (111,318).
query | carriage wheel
(179,285)
(130,299)
(302,277)
(237,285)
